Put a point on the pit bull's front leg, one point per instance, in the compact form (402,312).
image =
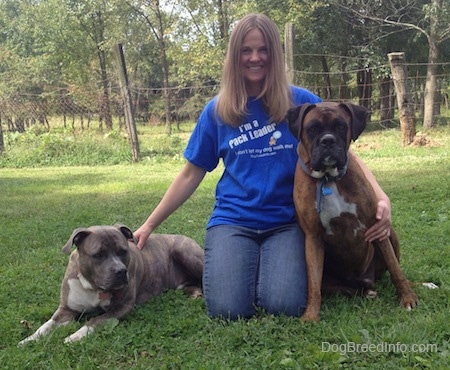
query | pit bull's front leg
(61,317)
(116,312)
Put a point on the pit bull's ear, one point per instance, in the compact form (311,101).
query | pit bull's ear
(126,231)
(359,116)
(295,117)
(76,238)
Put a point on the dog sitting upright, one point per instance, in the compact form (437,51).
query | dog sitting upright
(108,272)
(335,205)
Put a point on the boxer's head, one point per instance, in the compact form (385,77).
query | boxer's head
(103,255)
(325,131)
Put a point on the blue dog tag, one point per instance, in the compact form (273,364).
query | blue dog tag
(327,191)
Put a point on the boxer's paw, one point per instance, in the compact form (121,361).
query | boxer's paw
(370,293)
(409,300)
(193,292)
(430,285)
(197,293)
(310,315)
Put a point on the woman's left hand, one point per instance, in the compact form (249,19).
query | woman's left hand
(381,229)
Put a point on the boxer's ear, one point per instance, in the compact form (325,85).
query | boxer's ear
(295,117)
(359,116)
(126,231)
(76,238)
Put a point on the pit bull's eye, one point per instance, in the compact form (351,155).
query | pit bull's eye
(122,253)
(99,255)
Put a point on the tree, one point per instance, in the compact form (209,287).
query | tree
(152,12)
(429,18)
(92,17)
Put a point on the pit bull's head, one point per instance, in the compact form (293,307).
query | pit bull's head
(325,131)
(103,255)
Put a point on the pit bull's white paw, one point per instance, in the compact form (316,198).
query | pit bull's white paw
(43,330)
(79,334)
(430,285)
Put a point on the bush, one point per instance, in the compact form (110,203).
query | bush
(64,148)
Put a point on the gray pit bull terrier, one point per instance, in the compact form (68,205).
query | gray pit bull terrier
(107,271)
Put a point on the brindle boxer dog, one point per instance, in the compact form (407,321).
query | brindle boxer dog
(108,272)
(335,205)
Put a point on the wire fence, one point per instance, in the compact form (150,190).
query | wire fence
(61,107)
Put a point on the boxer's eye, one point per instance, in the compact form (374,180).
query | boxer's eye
(312,131)
(341,127)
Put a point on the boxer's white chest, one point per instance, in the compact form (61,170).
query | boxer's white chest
(81,298)
(334,205)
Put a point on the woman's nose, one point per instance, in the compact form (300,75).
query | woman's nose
(254,55)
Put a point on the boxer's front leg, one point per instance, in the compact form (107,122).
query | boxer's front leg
(315,254)
(408,298)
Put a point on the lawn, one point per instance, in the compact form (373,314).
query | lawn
(41,203)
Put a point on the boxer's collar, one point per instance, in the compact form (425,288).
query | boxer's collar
(322,189)
(326,178)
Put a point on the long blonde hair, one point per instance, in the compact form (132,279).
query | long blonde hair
(275,94)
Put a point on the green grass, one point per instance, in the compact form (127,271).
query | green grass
(41,202)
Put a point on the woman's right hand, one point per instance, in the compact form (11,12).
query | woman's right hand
(142,235)
(179,191)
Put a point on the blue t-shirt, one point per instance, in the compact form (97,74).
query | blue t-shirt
(256,187)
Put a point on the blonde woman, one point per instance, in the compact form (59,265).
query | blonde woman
(254,248)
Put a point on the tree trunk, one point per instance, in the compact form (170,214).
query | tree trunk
(105,106)
(343,85)
(364,77)
(2,142)
(223,18)
(405,105)
(289,51)
(128,109)
(430,86)
(386,106)
(165,66)
(326,72)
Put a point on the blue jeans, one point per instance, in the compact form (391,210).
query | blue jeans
(246,268)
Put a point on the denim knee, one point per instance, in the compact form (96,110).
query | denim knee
(230,272)
(245,268)
(283,283)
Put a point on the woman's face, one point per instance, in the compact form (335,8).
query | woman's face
(254,61)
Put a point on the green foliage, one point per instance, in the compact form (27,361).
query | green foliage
(38,147)
(41,206)
(64,148)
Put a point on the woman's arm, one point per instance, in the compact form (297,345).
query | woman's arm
(380,230)
(182,187)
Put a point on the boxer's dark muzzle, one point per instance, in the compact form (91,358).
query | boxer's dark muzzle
(329,154)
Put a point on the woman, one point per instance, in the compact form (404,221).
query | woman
(254,248)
